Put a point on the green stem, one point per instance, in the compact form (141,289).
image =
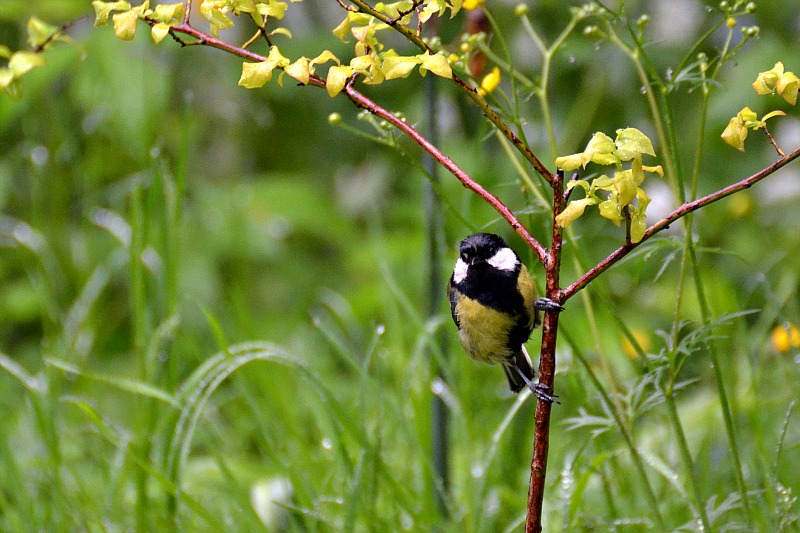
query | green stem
(138,319)
(686,458)
(626,432)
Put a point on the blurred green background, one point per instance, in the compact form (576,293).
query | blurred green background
(259,221)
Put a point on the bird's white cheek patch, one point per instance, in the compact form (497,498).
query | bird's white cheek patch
(504,259)
(460,271)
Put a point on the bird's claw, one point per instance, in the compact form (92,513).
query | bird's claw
(542,393)
(546,304)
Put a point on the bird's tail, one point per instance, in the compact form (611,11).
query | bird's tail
(519,370)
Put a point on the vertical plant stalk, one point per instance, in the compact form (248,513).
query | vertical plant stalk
(547,371)
(138,314)
(434,229)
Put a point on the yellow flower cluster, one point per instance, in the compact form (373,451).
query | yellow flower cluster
(785,337)
(778,81)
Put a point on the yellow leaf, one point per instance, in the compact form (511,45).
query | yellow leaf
(255,75)
(398,66)
(159,31)
(632,143)
(599,150)
(102,10)
(337,77)
(342,30)
(22,62)
(273,8)
(625,187)
(436,63)
(573,210)
(6,77)
(169,13)
(324,57)
(125,24)
(569,162)
(735,133)
(39,32)
(610,211)
(300,70)
(787,86)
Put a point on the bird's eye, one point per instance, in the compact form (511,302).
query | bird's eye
(464,257)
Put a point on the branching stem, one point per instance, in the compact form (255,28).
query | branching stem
(678,213)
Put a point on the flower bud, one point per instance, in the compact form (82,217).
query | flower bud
(334,119)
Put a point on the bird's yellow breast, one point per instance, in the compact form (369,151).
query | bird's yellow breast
(483,331)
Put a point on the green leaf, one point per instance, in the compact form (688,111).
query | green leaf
(103,10)
(137,387)
(22,62)
(632,143)
(399,66)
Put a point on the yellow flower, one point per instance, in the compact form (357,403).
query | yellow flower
(490,82)
(641,338)
(471,4)
(785,337)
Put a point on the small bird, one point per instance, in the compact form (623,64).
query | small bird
(493,303)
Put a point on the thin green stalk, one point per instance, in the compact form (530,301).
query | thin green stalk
(630,441)
(719,380)
(686,458)
(138,319)
(434,231)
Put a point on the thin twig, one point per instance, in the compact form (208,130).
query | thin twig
(468,89)
(772,140)
(678,213)
(365,103)
(61,29)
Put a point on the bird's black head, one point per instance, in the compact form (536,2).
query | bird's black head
(480,247)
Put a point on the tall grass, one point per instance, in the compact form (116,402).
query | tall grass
(184,354)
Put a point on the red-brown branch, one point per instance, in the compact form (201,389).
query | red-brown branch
(547,372)
(665,222)
(363,102)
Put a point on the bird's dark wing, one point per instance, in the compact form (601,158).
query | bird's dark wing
(452,295)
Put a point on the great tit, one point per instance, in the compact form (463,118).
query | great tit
(493,303)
